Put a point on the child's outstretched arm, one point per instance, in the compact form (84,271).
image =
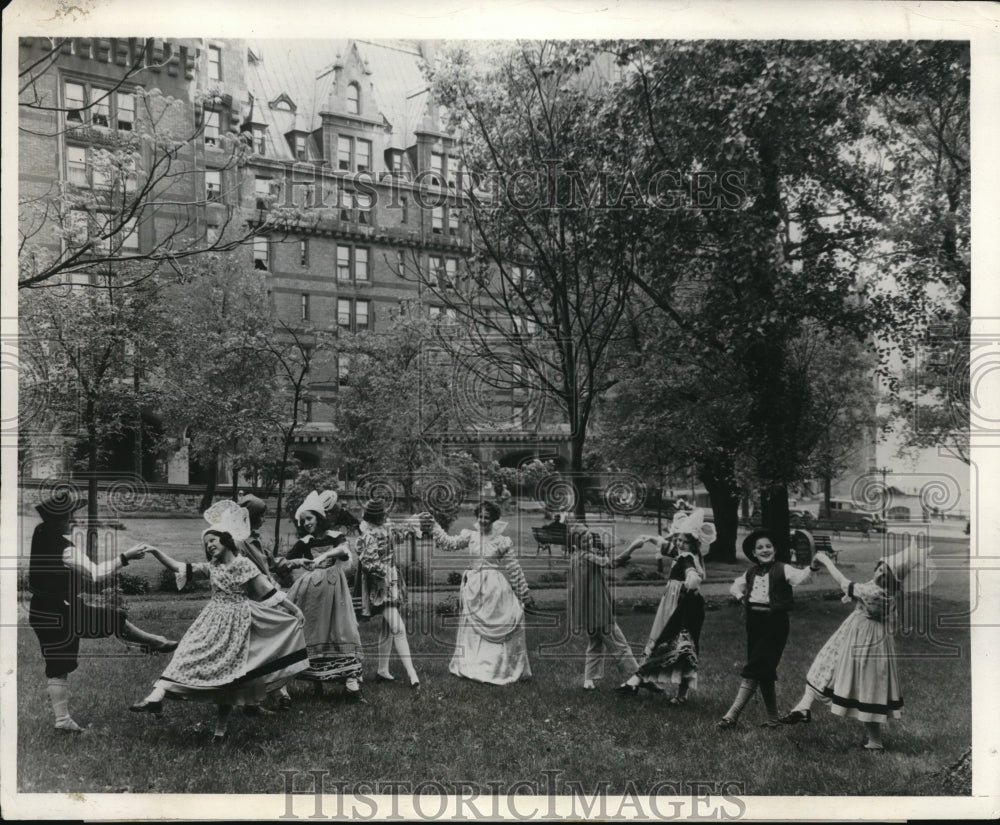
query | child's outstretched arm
(167,561)
(827,562)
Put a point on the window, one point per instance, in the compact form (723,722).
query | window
(361,319)
(435,266)
(363,161)
(260,257)
(307,409)
(360,264)
(76,101)
(405,208)
(438,167)
(343,263)
(352,260)
(77,227)
(344,313)
(76,166)
(441,315)
(343,369)
(354,154)
(397,164)
(353,315)
(363,202)
(353,99)
(213,185)
(129,237)
(437,220)
(262,192)
(300,147)
(126,112)
(343,153)
(258,141)
(214,63)
(303,252)
(451,272)
(100,112)
(452,221)
(211,128)
(305,306)
(212,232)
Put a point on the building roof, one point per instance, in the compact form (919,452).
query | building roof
(303,72)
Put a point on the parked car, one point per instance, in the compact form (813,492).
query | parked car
(844,514)
(801,518)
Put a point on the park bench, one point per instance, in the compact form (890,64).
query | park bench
(822,542)
(547,538)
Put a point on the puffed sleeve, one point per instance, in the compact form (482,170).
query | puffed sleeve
(371,560)
(692,578)
(198,569)
(243,570)
(511,568)
(738,590)
(450,543)
(797,575)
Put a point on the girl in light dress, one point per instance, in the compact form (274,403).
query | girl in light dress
(491,645)
(246,642)
(855,671)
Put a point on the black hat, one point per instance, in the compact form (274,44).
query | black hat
(751,540)
(61,504)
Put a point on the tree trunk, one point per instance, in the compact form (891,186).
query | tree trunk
(213,478)
(576,443)
(91,482)
(774,513)
(725,510)
(278,516)
(827,495)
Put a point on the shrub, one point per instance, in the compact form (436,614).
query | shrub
(455,577)
(168,583)
(639,574)
(448,606)
(131,584)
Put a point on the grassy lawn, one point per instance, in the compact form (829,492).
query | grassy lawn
(456,731)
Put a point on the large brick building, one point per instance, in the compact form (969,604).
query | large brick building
(344,130)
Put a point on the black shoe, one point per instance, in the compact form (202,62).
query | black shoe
(415,686)
(652,687)
(380,678)
(725,723)
(625,687)
(147,707)
(796,716)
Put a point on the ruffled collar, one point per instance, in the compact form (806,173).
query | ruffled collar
(308,538)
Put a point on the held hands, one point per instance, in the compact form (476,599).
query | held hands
(140,550)
(426,523)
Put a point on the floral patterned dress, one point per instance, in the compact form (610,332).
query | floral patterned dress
(490,645)
(856,668)
(381,584)
(237,650)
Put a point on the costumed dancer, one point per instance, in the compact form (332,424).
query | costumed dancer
(670,656)
(324,596)
(855,671)
(591,605)
(61,613)
(383,591)
(766,590)
(491,645)
(246,642)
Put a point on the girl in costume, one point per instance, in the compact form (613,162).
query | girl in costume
(671,653)
(245,643)
(766,590)
(490,645)
(855,671)
(324,596)
(383,591)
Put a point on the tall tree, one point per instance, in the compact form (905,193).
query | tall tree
(542,296)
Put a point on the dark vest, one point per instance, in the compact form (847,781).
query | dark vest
(47,575)
(779,588)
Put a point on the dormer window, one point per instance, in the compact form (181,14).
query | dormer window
(300,147)
(353,99)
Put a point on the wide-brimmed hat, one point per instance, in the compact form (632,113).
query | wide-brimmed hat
(692,523)
(60,504)
(313,503)
(329,499)
(911,566)
(751,540)
(228,517)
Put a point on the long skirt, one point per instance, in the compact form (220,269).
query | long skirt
(856,671)
(678,622)
(332,636)
(235,655)
(767,634)
(490,645)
